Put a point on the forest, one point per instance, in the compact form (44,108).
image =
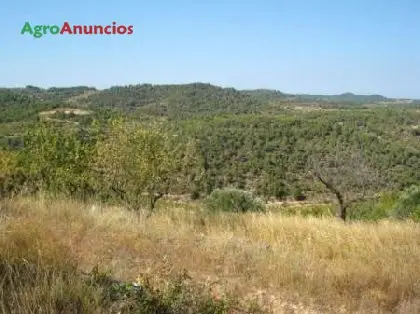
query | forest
(275,145)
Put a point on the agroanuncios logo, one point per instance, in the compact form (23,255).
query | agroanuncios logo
(66,28)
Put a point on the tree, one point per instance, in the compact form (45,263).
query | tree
(347,174)
(408,204)
(56,159)
(136,161)
(8,173)
(190,170)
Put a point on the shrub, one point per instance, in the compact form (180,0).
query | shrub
(374,209)
(298,195)
(280,192)
(195,195)
(234,200)
(408,204)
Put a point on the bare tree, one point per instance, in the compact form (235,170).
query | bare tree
(348,174)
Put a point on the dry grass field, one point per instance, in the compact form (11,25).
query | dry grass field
(286,264)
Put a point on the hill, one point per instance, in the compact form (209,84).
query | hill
(254,140)
(345,97)
(176,100)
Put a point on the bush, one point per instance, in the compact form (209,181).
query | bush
(298,195)
(195,195)
(234,200)
(408,204)
(281,192)
(374,209)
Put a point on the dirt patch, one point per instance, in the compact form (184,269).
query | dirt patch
(75,111)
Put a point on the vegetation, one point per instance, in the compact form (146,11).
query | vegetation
(40,271)
(132,160)
(347,175)
(248,140)
(279,263)
(234,200)
(272,168)
(408,204)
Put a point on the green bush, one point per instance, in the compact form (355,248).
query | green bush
(408,204)
(280,192)
(234,200)
(374,210)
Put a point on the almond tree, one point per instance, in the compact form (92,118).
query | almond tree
(347,174)
(136,161)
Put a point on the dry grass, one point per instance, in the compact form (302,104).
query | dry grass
(291,264)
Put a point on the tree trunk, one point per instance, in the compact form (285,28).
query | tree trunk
(342,212)
(153,199)
(342,208)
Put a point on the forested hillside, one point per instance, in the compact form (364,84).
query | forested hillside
(264,141)
(177,101)
(269,154)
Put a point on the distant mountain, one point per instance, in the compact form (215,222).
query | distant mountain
(148,93)
(345,97)
(265,94)
(177,100)
(273,95)
(53,94)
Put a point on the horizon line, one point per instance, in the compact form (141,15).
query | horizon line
(203,83)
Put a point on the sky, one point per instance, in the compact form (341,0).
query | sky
(295,46)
